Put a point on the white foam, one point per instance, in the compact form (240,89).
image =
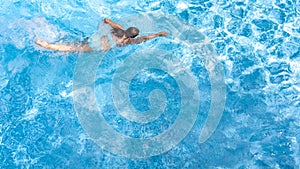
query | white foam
(31,114)
(23,32)
(182,5)
(42,29)
(290,28)
(63,93)
(17,65)
(69,84)
(104,11)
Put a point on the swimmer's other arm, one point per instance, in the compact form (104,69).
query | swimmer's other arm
(113,24)
(145,38)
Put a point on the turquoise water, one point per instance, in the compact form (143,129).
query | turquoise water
(258,43)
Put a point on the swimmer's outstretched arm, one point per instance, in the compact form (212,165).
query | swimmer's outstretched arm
(113,24)
(145,38)
(64,48)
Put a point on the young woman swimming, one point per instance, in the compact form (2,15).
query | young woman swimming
(100,41)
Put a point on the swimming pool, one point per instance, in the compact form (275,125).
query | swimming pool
(256,42)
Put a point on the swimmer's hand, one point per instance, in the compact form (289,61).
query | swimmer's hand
(106,20)
(162,34)
(41,43)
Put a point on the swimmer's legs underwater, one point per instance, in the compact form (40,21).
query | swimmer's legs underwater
(83,47)
(64,48)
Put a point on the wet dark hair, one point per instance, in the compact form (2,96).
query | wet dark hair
(118,32)
(132,32)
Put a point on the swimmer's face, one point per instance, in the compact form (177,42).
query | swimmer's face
(132,32)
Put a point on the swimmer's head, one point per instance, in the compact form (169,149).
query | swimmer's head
(132,32)
(118,32)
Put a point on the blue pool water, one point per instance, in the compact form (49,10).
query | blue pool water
(256,41)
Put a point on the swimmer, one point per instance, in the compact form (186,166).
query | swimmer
(119,35)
